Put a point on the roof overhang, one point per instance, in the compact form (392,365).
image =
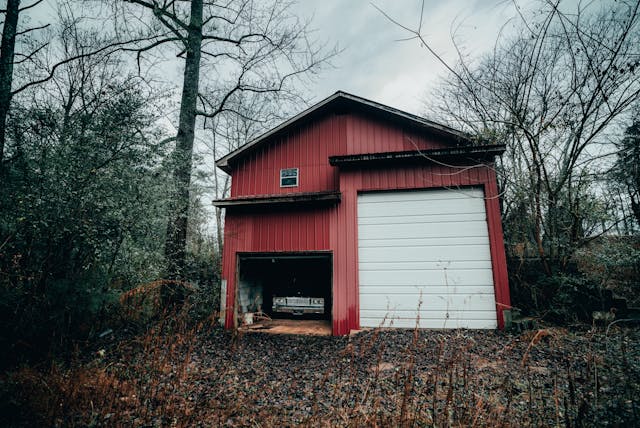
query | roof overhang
(456,155)
(341,102)
(300,199)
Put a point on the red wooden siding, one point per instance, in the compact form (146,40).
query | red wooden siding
(365,135)
(309,147)
(496,241)
(345,240)
(271,231)
(335,228)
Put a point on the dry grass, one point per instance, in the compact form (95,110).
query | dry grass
(142,381)
(181,375)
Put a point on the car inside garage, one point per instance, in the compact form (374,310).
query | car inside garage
(286,285)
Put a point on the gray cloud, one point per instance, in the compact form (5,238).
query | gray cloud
(376,65)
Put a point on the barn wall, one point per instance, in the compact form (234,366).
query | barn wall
(366,135)
(418,177)
(274,230)
(309,146)
(335,229)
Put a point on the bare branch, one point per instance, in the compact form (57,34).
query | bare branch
(161,12)
(19,33)
(31,55)
(104,50)
(31,5)
(140,50)
(418,35)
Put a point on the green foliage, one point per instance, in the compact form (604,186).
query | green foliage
(573,297)
(564,297)
(82,213)
(626,170)
(614,264)
(606,268)
(202,269)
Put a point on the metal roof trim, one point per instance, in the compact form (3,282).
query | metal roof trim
(468,152)
(279,199)
(224,162)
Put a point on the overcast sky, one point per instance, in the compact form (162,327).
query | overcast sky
(376,65)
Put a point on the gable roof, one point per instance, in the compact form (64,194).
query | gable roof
(342,101)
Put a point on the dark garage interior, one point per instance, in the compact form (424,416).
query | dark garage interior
(286,275)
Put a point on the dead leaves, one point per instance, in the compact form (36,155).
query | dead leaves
(383,378)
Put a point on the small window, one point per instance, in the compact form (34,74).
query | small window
(289,177)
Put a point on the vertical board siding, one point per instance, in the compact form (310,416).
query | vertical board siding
(307,148)
(366,135)
(496,242)
(334,229)
(344,239)
(271,231)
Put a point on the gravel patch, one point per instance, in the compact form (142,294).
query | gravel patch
(540,378)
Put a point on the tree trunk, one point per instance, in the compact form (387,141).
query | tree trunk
(6,66)
(538,228)
(176,240)
(635,207)
(219,225)
(219,232)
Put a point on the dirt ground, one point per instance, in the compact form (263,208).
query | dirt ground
(549,377)
(546,377)
(287,326)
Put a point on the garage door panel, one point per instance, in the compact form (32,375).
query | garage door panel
(380,314)
(406,243)
(418,195)
(423,230)
(435,323)
(413,208)
(426,314)
(420,218)
(426,277)
(422,242)
(438,265)
(416,254)
(406,302)
(428,290)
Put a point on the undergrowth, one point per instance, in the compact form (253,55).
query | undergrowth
(180,374)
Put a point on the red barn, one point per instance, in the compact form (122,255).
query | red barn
(385,218)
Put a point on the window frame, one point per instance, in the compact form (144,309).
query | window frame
(297,177)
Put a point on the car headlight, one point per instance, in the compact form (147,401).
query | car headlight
(280,300)
(317,301)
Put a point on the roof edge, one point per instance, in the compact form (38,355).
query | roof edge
(279,199)
(224,162)
(464,153)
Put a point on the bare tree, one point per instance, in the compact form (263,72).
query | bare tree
(626,170)
(253,115)
(229,49)
(10,32)
(28,58)
(551,92)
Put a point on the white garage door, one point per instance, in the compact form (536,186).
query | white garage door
(424,258)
